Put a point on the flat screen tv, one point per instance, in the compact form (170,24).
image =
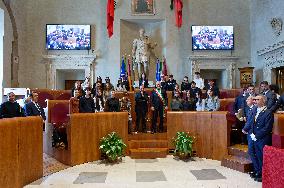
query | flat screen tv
(212,37)
(68,37)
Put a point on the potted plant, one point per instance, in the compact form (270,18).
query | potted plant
(183,145)
(112,146)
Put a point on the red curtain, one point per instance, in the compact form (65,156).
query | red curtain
(110,17)
(178,12)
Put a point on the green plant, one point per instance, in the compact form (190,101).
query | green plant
(112,146)
(183,144)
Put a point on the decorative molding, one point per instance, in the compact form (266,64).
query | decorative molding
(276,24)
(270,48)
(63,62)
(227,63)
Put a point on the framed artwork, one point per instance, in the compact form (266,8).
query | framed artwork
(142,7)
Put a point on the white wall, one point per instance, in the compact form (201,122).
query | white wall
(176,45)
(262,35)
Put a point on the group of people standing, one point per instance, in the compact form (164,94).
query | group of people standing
(255,114)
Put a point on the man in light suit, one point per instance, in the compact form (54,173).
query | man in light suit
(34,109)
(259,129)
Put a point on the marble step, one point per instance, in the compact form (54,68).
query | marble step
(238,163)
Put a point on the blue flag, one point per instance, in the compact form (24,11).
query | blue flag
(158,73)
(122,68)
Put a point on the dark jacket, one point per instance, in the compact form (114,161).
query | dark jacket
(156,101)
(262,126)
(32,110)
(141,102)
(10,110)
(86,105)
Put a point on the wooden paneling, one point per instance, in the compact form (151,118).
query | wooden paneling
(210,129)
(9,164)
(21,155)
(204,134)
(30,149)
(221,140)
(278,126)
(84,133)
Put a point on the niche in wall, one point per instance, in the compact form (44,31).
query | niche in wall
(154,28)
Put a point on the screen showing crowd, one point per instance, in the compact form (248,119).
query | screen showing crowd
(68,37)
(212,38)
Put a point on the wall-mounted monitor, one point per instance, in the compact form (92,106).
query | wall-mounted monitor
(68,37)
(212,37)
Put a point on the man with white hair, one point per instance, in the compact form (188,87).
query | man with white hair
(259,129)
(159,103)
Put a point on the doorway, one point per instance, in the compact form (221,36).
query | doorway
(65,78)
(280,79)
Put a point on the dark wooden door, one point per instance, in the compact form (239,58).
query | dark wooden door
(280,79)
(69,84)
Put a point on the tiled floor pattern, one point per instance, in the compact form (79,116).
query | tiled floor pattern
(50,165)
(148,173)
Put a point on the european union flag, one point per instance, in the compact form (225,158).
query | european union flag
(158,73)
(122,68)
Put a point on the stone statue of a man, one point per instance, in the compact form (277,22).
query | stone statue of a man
(141,53)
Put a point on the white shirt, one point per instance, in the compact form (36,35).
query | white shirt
(199,82)
(258,110)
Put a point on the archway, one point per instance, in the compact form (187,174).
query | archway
(1,51)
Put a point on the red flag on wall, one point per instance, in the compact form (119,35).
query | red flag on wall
(110,17)
(178,12)
(165,71)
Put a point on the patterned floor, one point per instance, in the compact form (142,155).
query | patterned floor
(148,173)
(50,165)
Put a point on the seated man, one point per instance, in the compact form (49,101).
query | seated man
(34,109)
(86,103)
(11,108)
(171,83)
(112,103)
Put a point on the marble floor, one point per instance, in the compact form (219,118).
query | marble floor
(148,173)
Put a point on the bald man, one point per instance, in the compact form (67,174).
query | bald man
(259,129)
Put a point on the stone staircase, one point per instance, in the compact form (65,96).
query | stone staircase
(148,146)
(238,158)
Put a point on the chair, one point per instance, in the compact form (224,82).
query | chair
(42,96)
(64,96)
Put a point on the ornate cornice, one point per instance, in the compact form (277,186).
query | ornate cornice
(69,57)
(270,48)
(203,57)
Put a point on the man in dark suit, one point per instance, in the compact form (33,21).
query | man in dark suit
(11,108)
(33,108)
(112,103)
(258,127)
(271,97)
(141,108)
(159,103)
(171,83)
(185,85)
